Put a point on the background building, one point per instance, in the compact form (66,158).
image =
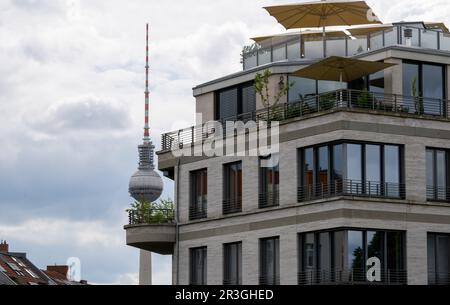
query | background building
(16,269)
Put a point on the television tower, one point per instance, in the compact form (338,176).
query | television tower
(146,184)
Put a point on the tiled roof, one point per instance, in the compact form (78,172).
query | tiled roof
(20,270)
(16,269)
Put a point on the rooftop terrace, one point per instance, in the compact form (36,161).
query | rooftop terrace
(349,42)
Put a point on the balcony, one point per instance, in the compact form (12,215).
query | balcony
(368,189)
(438,193)
(438,278)
(298,46)
(232,205)
(152,230)
(269,199)
(350,277)
(346,99)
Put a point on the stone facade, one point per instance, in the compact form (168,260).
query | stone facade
(413,215)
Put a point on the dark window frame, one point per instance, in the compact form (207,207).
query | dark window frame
(192,256)
(335,188)
(196,213)
(263,279)
(239,105)
(434,277)
(267,200)
(365,231)
(435,191)
(231,205)
(420,65)
(228,281)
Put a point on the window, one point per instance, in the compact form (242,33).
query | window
(31,273)
(198,266)
(232,188)
(269,270)
(269,183)
(362,169)
(232,264)
(199,194)
(425,83)
(438,184)
(13,266)
(438,259)
(303,89)
(373,83)
(236,103)
(340,256)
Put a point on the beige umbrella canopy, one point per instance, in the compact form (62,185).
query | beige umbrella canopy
(323,13)
(341,69)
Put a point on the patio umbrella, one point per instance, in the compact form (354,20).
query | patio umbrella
(322,14)
(341,69)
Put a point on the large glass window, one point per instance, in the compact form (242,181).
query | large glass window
(354,164)
(373,168)
(351,169)
(392,170)
(355,254)
(269,184)
(198,266)
(438,259)
(438,184)
(341,256)
(424,84)
(232,202)
(199,194)
(302,89)
(235,103)
(232,264)
(269,272)
(323,168)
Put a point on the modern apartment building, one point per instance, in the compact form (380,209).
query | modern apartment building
(363,171)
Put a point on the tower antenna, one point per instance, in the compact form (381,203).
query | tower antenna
(147,94)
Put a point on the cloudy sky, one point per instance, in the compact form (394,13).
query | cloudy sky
(71,101)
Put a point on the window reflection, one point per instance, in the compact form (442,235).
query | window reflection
(437,171)
(392,170)
(354,172)
(341,256)
(353,169)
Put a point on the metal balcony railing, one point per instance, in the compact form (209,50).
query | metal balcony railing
(269,199)
(438,193)
(232,205)
(357,188)
(198,212)
(438,278)
(350,277)
(325,102)
(232,282)
(151,216)
(269,280)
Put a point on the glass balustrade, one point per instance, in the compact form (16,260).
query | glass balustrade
(308,46)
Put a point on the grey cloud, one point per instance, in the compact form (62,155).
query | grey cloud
(84,114)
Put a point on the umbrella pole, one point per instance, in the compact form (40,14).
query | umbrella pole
(341,88)
(324,40)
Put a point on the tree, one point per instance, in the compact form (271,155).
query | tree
(261,86)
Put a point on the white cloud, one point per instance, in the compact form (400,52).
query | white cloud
(71,108)
(53,232)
